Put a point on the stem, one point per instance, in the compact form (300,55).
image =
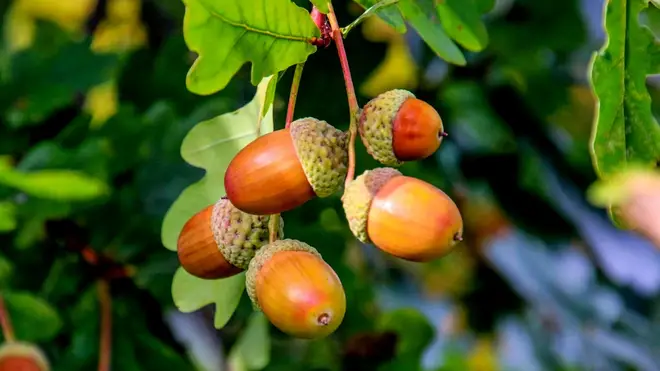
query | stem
(294,93)
(105,348)
(5,322)
(350,92)
(273,227)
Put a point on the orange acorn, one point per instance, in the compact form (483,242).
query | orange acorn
(296,289)
(284,169)
(396,127)
(19,356)
(403,216)
(220,240)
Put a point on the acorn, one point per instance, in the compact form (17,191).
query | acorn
(396,127)
(20,356)
(220,240)
(284,169)
(403,216)
(296,289)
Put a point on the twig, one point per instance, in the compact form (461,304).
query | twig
(273,227)
(350,92)
(294,93)
(5,322)
(105,347)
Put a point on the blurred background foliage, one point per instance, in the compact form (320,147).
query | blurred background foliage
(93,109)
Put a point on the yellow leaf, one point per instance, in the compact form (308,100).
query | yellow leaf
(101,103)
(127,11)
(483,356)
(70,15)
(19,29)
(397,71)
(111,37)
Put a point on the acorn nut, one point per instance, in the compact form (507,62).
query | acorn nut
(403,216)
(396,127)
(296,289)
(284,169)
(220,240)
(20,356)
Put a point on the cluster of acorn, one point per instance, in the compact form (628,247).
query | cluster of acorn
(287,279)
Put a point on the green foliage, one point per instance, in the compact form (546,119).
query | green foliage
(389,14)
(191,293)
(252,349)
(7,216)
(272,34)
(35,319)
(322,5)
(462,21)
(625,130)
(420,14)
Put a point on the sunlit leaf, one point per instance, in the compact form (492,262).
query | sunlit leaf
(625,130)
(54,184)
(421,15)
(389,14)
(462,21)
(397,71)
(191,293)
(211,145)
(33,318)
(271,34)
(322,5)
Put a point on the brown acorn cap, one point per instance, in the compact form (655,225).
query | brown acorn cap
(263,255)
(19,349)
(323,152)
(358,196)
(375,125)
(238,234)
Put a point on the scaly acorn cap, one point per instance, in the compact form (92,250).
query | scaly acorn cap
(323,152)
(375,125)
(24,350)
(358,196)
(263,255)
(238,234)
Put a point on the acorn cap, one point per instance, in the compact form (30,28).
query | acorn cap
(358,196)
(24,350)
(323,152)
(376,125)
(263,255)
(238,234)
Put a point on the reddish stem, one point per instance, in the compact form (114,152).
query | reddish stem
(5,322)
(350,92)
(105,347)
(295,85)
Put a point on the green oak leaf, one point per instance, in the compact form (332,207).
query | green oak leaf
(56,184)
(271,34)
(322,5)
(252,349)
(625,131)
(7,216)
(33,318)
(390,14)
(420,14)
(191,293)
(462,21)
(484,6)
(414,335)
(211,145)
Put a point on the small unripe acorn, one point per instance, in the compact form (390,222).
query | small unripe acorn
(284,169)
(403,216)
(220,240)
(20,356)
(396,127)
(297,290)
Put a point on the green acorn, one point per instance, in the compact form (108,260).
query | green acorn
(220,240)
(396,127)
(284,169)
